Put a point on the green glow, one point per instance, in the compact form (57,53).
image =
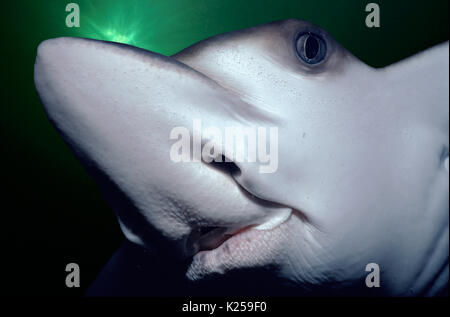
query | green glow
(112,21)
(113,36)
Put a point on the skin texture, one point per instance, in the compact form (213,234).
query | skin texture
(363,154)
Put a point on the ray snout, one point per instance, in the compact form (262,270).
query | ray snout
(117,106)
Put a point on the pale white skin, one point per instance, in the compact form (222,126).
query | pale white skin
(363,152)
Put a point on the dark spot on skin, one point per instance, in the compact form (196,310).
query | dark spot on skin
(444,153)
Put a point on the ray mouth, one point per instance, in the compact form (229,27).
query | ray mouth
(210,237)
(207,238)
(220,250)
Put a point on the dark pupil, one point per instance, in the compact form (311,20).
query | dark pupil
(311,47)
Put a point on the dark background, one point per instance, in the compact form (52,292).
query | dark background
(52,212)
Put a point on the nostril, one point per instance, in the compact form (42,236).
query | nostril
(226,166)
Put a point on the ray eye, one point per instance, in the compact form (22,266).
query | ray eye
(311,48)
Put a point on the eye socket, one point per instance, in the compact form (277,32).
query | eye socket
(311,48)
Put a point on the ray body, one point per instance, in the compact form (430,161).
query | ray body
(363,153)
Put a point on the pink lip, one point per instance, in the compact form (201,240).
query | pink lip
(245,248)
(212,239)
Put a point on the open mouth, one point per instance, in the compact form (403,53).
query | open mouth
(210,238)
(205,238)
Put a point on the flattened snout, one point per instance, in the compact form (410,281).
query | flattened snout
(116,106)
